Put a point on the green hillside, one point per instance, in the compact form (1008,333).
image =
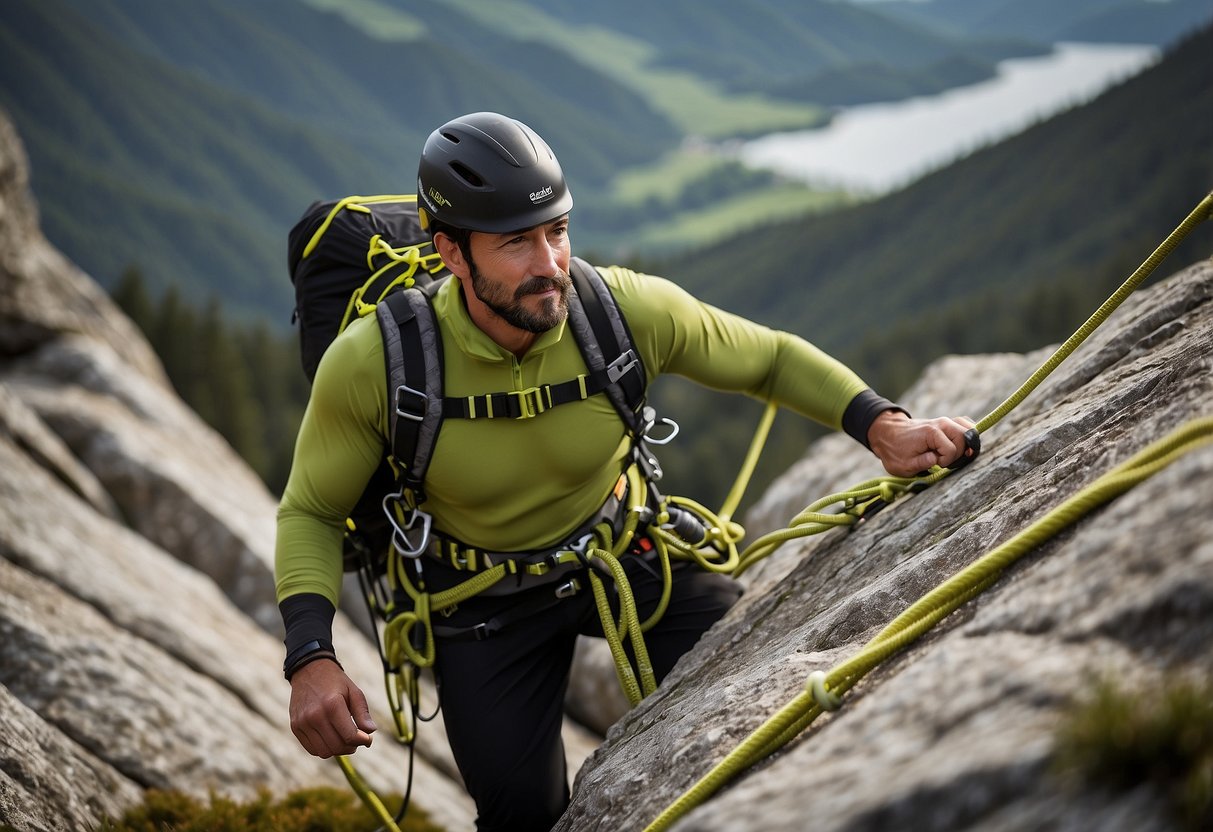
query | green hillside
(787,50)
(1105,21)
(186,140)
(1071,196)
(1008,249)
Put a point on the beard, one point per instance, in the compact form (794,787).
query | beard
(508,305)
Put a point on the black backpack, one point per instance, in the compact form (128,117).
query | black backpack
(359,255)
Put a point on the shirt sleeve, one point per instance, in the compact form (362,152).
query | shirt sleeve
(339,447)
(676,333)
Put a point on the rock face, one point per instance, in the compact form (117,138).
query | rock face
(140,643)
(957,731)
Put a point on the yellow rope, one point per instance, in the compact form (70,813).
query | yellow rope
(748,464)
(367,795)
(930,609)
(1199,214)
(352,203)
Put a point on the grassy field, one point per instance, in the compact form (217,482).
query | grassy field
(375,18)
(696,107)
(693,229)
(665,225)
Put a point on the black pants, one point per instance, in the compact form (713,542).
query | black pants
(503,697)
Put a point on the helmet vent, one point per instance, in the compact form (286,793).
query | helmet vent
(467,175)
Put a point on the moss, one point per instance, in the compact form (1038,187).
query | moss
(308,810)
(1163,737)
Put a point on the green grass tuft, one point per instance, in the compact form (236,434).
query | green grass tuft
(307,810)
(1163,737)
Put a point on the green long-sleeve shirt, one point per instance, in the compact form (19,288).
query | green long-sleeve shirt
(512,485)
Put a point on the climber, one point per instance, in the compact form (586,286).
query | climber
(494,198)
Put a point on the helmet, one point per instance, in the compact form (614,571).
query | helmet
(487,172)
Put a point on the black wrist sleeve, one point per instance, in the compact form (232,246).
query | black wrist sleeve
(862,411)
(307,617)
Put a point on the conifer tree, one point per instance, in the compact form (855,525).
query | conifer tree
(132,297)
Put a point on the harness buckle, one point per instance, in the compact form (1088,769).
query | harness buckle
(416,416)
(555,559)
(568,589)
(532,401)
(621,365)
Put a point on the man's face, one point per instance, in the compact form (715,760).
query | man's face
(523,277)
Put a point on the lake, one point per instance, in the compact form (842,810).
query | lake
(874,148)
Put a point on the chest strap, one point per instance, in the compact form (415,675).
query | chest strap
(526,404)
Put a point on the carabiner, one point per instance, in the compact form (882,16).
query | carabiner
(400,538)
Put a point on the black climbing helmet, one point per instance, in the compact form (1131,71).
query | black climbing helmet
(487,172)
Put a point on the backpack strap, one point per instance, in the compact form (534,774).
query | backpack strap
(412,351)
(606,342)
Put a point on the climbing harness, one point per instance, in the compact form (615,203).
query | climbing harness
(824,690)
(408,613)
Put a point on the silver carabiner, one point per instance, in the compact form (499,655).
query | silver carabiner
(665,440)
(400,538)
(651,421)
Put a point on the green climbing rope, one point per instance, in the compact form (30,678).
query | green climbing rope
(1198,215)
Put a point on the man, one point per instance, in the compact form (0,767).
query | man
(497,205)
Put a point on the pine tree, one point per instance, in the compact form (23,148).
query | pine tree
(132,298)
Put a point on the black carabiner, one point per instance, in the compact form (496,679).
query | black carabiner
(971,451)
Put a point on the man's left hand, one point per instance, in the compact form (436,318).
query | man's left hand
(908,446)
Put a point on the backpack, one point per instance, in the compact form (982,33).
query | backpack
(362,255)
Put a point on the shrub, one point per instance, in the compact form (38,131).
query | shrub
(307,810)
(1161,736)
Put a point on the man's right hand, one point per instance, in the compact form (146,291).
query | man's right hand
(329,714)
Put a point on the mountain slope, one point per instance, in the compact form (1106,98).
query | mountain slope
(141,162)
(768,46)
(1108,21)
(187,140)
(1072,204)
(1008,249)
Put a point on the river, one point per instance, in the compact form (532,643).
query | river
(874,148)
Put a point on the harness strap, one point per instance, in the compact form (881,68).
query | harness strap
(517,612)
(595,321)
(413,358)
(526,404)
(466,559)
(571,552)
(407,316)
